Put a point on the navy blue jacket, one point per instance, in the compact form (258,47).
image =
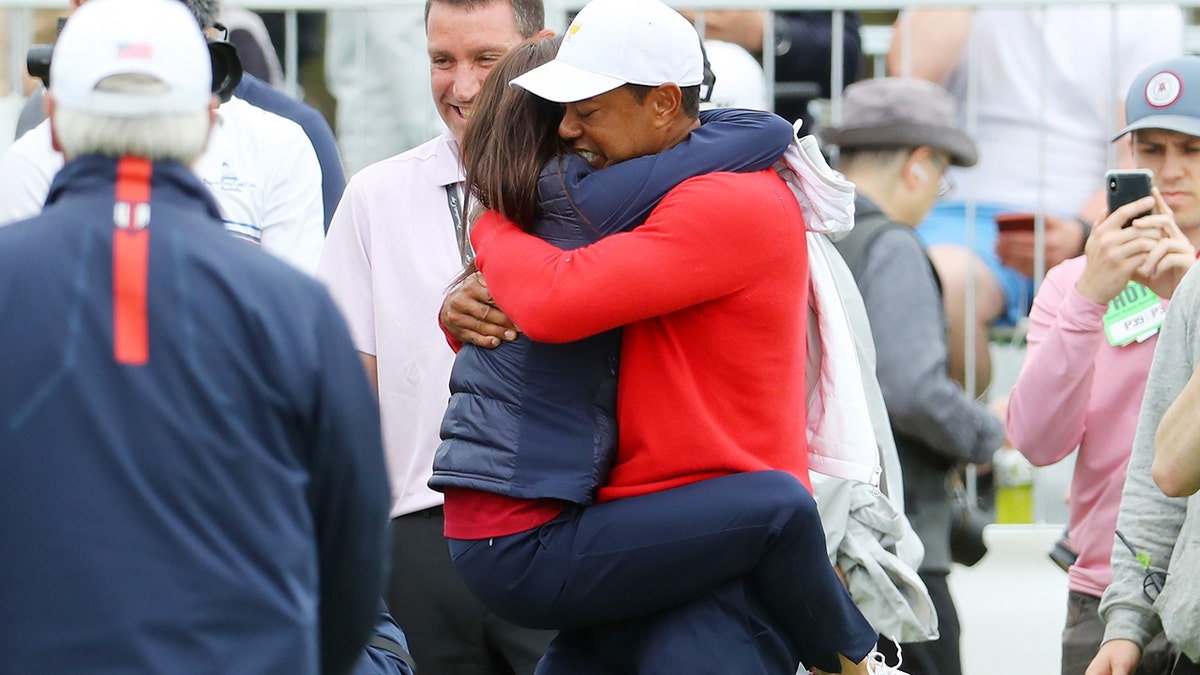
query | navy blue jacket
(532,420)
(377,660)
(333,177)
(220,508)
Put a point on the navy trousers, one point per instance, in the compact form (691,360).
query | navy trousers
(727,631)
(449,631)
(625,559)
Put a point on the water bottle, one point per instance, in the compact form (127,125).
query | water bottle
(1014,486)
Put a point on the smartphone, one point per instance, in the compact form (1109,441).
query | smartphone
(1127,185)
(1014,222)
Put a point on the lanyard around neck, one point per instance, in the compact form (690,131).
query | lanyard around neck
(454,201)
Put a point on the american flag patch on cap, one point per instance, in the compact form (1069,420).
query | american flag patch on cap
(135,50)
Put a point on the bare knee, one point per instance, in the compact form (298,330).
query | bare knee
(958,268)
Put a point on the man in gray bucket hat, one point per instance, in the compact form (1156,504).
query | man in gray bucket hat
(898,138)
(897,113)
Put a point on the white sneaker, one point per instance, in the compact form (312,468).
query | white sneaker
(876,665)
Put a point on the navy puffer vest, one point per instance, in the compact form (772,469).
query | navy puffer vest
(555,402)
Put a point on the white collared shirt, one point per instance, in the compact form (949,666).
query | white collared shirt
(390,256)
(260,167)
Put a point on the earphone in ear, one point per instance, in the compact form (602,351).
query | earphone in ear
(918,172)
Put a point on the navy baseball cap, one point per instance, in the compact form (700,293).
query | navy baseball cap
(1165,96)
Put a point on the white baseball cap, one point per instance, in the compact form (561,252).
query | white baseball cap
(157,38)
(615,42)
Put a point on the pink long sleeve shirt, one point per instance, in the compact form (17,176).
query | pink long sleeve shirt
(1075,389)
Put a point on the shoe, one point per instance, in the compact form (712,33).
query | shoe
(877,665)
(874,664)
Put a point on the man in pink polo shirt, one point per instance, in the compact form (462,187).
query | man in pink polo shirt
(1084,374)
(391,252)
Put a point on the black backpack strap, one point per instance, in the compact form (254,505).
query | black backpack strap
(394,648)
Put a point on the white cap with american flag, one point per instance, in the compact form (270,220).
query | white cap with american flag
(156,38)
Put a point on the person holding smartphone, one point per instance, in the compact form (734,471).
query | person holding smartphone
(1041,107)
(1093,330)
(1154,581)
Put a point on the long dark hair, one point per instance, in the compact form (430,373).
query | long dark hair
(512,135)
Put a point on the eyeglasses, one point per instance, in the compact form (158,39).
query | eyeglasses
(1152,583)
(945,184)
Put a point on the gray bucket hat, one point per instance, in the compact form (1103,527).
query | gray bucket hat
(1165,96)
(898,112)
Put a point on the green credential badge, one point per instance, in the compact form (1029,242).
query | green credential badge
(1135,315)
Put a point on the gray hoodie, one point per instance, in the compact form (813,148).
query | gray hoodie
(1165,528)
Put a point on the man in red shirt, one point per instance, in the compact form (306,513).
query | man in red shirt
(711,393)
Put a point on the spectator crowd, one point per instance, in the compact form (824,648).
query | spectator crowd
(566,356)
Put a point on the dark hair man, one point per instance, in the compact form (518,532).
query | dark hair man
(710,401)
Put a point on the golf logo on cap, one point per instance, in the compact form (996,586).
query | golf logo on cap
(572,31)
(1163,89)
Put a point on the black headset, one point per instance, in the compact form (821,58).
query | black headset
(710,78)
(226,65)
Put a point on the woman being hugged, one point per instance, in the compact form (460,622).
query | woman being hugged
(530,432)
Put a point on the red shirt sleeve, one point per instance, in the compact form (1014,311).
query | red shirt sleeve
(694,247)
